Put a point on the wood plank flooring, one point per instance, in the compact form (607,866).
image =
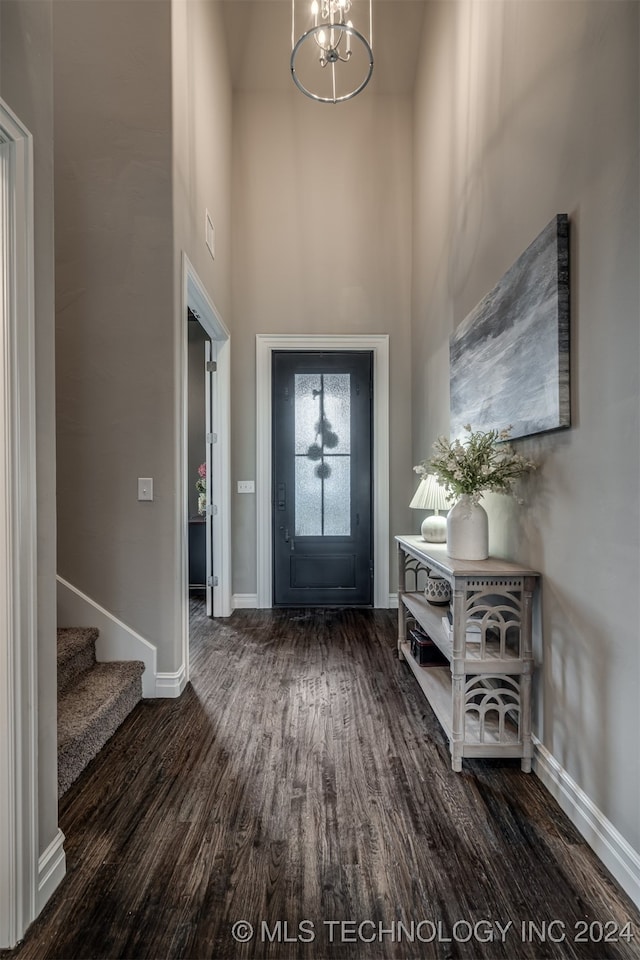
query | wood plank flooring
(303,780)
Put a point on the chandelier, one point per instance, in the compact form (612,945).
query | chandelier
(331,61)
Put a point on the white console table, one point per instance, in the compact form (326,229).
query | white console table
(482,698)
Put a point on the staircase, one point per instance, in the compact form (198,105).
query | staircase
(93,700)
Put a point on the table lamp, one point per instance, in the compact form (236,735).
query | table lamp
(431,496)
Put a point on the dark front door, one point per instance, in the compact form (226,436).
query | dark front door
(322,530)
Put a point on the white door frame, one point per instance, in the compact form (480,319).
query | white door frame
(209,388)
(196,299)
(378,344)
(18,566)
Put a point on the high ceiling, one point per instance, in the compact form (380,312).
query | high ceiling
(259,43)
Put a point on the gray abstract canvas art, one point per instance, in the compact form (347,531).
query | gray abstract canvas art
(510,355)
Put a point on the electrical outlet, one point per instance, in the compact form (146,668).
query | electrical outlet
(246,486)
(145,488)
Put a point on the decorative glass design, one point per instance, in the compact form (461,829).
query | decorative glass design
(308,499)
(323,454)
(337,500)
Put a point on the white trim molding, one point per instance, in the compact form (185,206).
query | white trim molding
(605,840)
(245,601)
(51,869)
(18,561)
(378,344)
(170,685)
(116,641)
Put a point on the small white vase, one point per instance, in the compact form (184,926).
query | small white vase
(467,530)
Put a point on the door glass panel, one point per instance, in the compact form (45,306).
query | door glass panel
(322,452)
(308,499)
(307,408)
(337,498)
(337,410)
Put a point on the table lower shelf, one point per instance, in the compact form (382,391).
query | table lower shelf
(485,741)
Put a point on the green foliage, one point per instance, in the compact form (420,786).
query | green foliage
(483,461)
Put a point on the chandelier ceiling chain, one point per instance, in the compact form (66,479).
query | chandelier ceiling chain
(329,41)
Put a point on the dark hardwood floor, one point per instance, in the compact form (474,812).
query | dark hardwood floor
(302,784)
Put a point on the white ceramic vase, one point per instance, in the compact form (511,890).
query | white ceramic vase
(467,530)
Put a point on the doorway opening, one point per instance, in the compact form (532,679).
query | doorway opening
(205,521)
(378,346)
(200,495)
(322,477)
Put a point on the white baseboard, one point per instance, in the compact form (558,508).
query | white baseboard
(170,685)
(116,641)
(244,601)
(249,601)
(52,866)
(616,853)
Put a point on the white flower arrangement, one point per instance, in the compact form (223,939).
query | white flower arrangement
(484,461)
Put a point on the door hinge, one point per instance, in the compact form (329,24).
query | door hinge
(212,366)
(371,570)
(212,510)
(211,438)
(212,581)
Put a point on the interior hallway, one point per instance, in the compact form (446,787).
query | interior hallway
(302,777)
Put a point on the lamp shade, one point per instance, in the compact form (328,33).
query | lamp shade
(431,496)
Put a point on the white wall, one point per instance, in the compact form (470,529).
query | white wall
(524,110)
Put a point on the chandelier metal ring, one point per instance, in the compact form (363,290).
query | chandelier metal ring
(313,34)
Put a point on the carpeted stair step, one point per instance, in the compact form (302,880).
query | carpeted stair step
(90,711)
(76,654)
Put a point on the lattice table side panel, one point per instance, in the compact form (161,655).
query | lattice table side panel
(492,700)
(415,574)
(495,607)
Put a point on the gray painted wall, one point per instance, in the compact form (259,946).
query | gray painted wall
(26,86)
(201,122)
(525,110)
(321,244)
(116,378)
(143,146)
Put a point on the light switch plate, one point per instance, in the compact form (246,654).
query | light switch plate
(145,488)
(246,486)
